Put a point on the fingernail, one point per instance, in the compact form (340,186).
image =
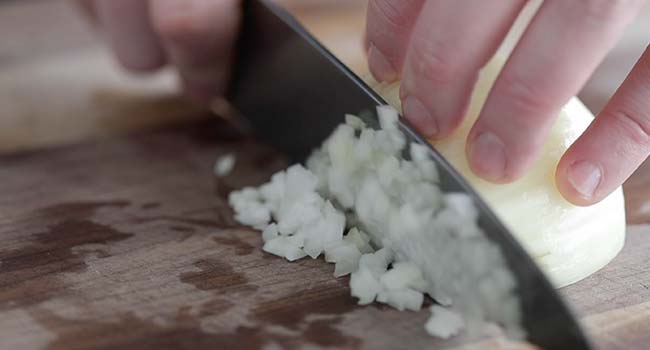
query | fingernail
(419,116)
(381,68)
(585,177)
(402,92)
(487,155)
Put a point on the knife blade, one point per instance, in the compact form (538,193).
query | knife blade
(293,93)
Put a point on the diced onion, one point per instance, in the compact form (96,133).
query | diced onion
(224,165)
(444,323)
(358,194)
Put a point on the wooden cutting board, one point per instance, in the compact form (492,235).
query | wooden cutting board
(127,242)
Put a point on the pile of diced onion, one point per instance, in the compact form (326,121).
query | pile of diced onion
(382,219)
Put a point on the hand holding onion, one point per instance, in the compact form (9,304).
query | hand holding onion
(569,242)
(437,48)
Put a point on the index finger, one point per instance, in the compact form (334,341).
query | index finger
(556,55)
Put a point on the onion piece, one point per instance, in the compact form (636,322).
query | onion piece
(224,165)
(364,286)
(359,239)
(403,275)
(391,203)
(270,232)
(402,299)
(443,322)
(284,247)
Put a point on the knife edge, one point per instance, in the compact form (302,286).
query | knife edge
(295,92)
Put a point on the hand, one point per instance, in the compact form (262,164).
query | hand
(439,46)
(194,36)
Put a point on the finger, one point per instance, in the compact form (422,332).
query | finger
(616,143)
(127,26)
(199,37)
(388,27)
(558,52)
(450,43)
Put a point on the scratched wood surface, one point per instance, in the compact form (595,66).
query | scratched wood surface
(126,242)
(129,243)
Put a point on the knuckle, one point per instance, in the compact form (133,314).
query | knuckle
(389,12)
(525,96)
(432,62)
(174,24)
(633,126)
(605,10)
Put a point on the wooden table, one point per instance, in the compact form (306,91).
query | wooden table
(126,241)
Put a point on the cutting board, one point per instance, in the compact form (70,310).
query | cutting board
(127,242)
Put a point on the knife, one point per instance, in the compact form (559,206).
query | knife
(293,93)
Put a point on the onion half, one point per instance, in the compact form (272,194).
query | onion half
(569,242)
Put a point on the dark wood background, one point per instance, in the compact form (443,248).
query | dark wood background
(116,235)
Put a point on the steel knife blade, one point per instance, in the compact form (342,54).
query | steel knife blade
(293,92)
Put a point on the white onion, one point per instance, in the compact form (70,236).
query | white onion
(428,241)
(249,210)
(224,165)
(283,246)
(354,122)
(444,323)
(377,263)
(401,299)
(569,242)
(403,275)
(346,256)
(364,286)
(326,232)
(359,239)
(270,232)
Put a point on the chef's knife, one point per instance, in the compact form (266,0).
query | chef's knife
(294,92)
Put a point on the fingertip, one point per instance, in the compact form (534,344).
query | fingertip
(421,110)
(420,117)
(580,181)
(567,190)
(380,66)
(388,27)
(487,158)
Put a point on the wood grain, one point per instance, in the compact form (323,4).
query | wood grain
(127,242)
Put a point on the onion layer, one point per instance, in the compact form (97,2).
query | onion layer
(569,242)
